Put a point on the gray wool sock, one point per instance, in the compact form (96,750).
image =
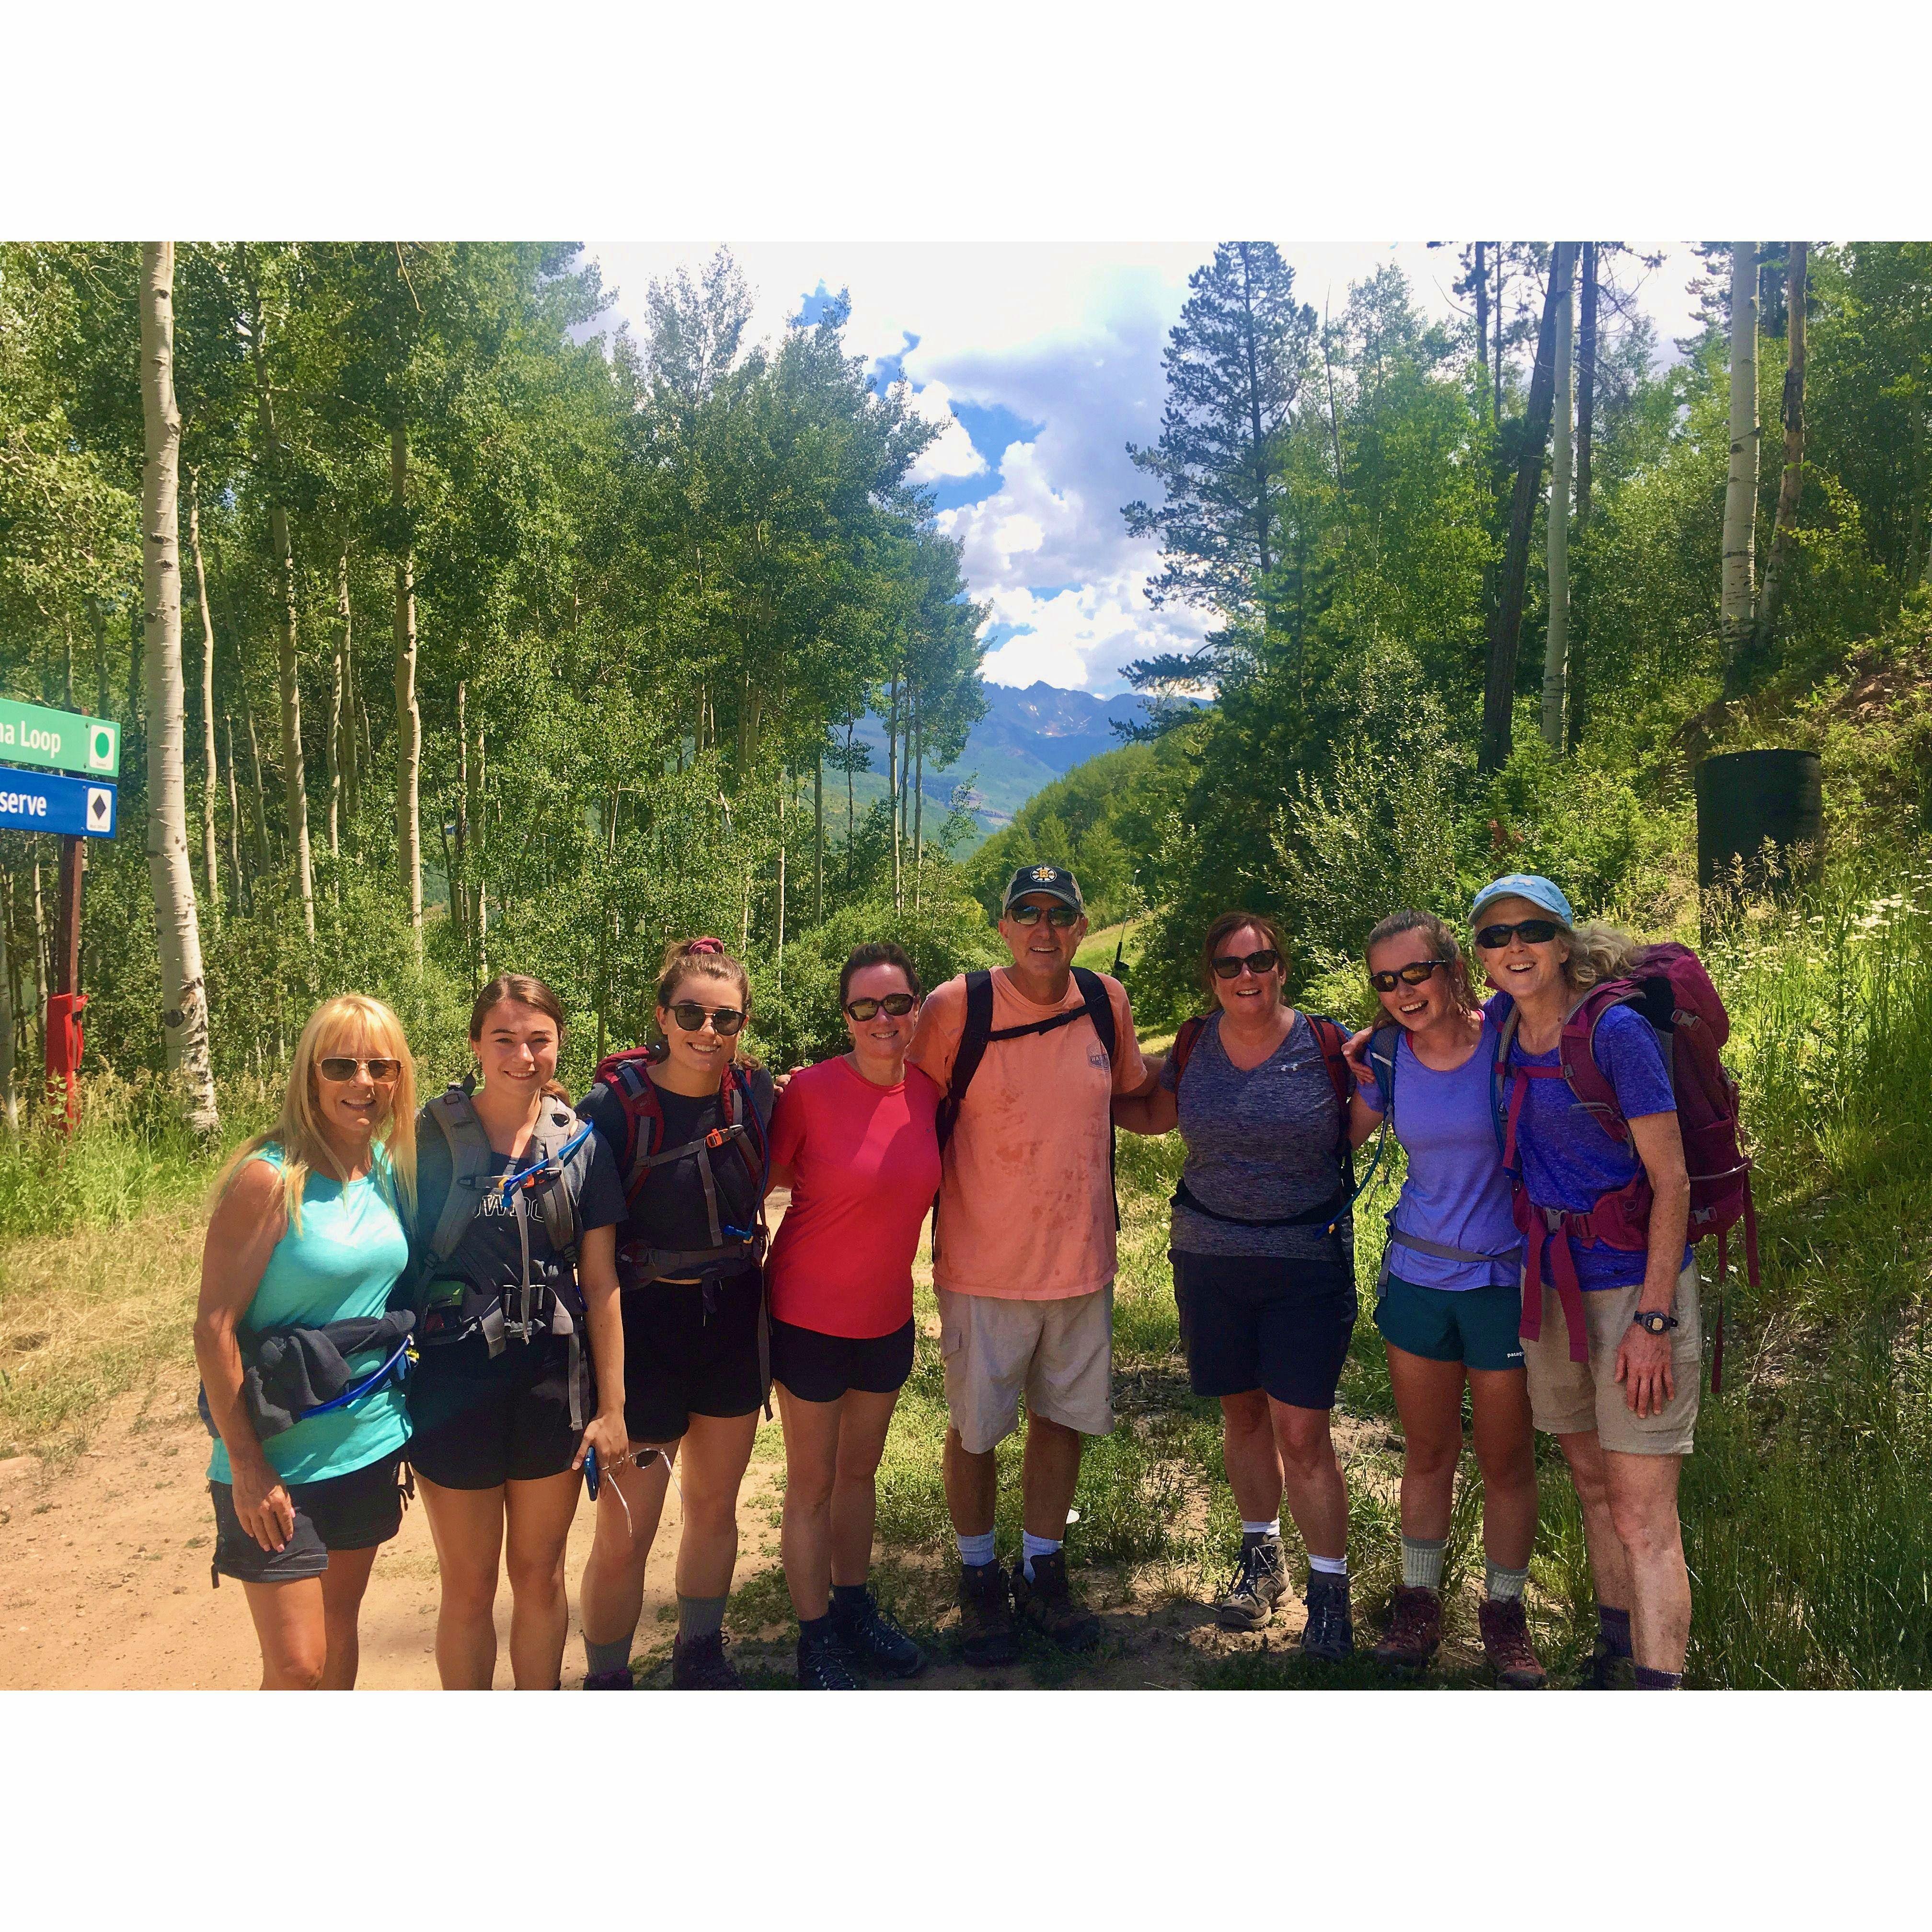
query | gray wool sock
(1501,1586)
(1422,1562)
(700,1616)
(600,1659)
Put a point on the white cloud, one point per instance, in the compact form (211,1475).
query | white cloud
(952,456)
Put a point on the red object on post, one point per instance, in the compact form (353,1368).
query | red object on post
(65,1045)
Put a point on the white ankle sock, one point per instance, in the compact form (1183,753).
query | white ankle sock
(1032,1546)
(1272,1528)
(1329,1566)
(975,1550)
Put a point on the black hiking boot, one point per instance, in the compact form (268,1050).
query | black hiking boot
(1048,1603)
(1505,1628)
(825,1665)
(701,1665)
(987,1636)
(1260,1582)
(1329,1632)
(610,1680)
(873,1641)
(1606,1670)
(1414,1631)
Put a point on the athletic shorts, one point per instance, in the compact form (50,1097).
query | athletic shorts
(356,1511)
(818,1367)
(682,1358)
(478,1424)
(1475,1326)
(1255,1321)
(1059,1353)
(1568,1398)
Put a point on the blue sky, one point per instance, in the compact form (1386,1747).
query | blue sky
(1041,364)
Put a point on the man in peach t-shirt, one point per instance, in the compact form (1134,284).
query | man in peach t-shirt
(1023,1247)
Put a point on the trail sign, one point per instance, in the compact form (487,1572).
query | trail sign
(46,801)
(31,735)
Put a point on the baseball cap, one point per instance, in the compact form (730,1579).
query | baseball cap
(1531,886)
(1053,881)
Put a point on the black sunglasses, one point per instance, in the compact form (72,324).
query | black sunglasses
(1413,974)
(1228,965)
(339,1068)
(725,1021)
(1531,932)
(1060,917)
(898,1005)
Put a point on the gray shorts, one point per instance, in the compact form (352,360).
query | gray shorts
(1059,1353)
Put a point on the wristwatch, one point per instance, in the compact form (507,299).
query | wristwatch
(1654,1320)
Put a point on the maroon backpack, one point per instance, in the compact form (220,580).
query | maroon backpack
(1667,984)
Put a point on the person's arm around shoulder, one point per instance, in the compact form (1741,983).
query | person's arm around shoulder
(603,1310)
(247,1223)
(788,1126)
(1155,1108)
(935,1042)
(1365,1103)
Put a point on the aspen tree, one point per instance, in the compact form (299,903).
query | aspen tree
(210,861)
(1737,611)
(1556,645)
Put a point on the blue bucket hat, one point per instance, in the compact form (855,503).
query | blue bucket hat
(1531,886)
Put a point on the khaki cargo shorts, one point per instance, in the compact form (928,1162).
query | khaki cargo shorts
(1567,1398)
(1059,1353)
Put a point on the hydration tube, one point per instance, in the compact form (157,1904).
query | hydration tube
(361,1388)
(764,1175)
(563,1154)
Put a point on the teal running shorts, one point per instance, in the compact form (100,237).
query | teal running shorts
(1475,1326)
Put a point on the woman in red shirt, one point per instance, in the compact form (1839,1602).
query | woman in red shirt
(854,1139)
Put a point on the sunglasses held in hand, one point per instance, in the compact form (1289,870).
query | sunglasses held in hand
(690,1016)
(1228,965)
(895,1005)
(1413,974)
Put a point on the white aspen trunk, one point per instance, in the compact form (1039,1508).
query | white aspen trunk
(458,880)
(211,856)
(1556,645)
(184,989)
(1736,611)
(8,1102)
(352,774)
(234,814)
(818,837)
(476,854)
(41,967)
(782,782)
(892,782)
(918,802)
(337,689)
(408,719)
(265,860)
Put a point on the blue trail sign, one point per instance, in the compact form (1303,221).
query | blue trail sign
(48,802)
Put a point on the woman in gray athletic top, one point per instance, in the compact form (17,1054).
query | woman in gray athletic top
(1263,1268)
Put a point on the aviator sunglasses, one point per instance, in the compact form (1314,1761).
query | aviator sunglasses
(1060,917)
(341,1069)
(1228,965)
(690,1016)
(1531,932)
(896,1005)
(1413,974)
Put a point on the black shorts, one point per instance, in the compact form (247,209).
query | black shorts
(1254,1322)
(818,1367)
(479,1424)
(356,1511)
(682,1358)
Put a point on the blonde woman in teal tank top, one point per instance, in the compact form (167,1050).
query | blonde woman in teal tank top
(308,1230)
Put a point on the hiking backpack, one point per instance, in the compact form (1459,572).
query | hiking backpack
(978,1034)
(1332,1039)
(624,1076)
(547,1180)
(1667,984)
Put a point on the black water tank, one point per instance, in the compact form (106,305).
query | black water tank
(1745,797)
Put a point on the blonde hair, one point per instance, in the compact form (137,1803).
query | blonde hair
(349,1019)
(1456,968)
(1597,952)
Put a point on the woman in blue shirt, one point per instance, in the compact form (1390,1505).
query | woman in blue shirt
(308,1230)
(1447,1303)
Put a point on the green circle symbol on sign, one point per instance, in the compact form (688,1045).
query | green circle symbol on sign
(101,745)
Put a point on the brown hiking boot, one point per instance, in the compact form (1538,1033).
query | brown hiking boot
(1414,1630)
(1259,1583)
(1505,1631)
(1049,1604)
(987,1636)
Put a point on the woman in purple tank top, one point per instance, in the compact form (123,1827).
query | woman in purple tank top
(1447,1303)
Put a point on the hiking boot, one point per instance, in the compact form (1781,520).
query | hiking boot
(1049,1604)
(1505,1629)
(1608,1671)
(1260,1582)
(701,1665)
(825,1665)
(1329,1632)
(986,1633)
(1414,1629)
(873,1642)
(610,1680)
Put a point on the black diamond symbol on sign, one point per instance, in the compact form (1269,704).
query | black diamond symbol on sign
(97,809)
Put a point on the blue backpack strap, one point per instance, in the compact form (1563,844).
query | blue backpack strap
(1383,1044)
